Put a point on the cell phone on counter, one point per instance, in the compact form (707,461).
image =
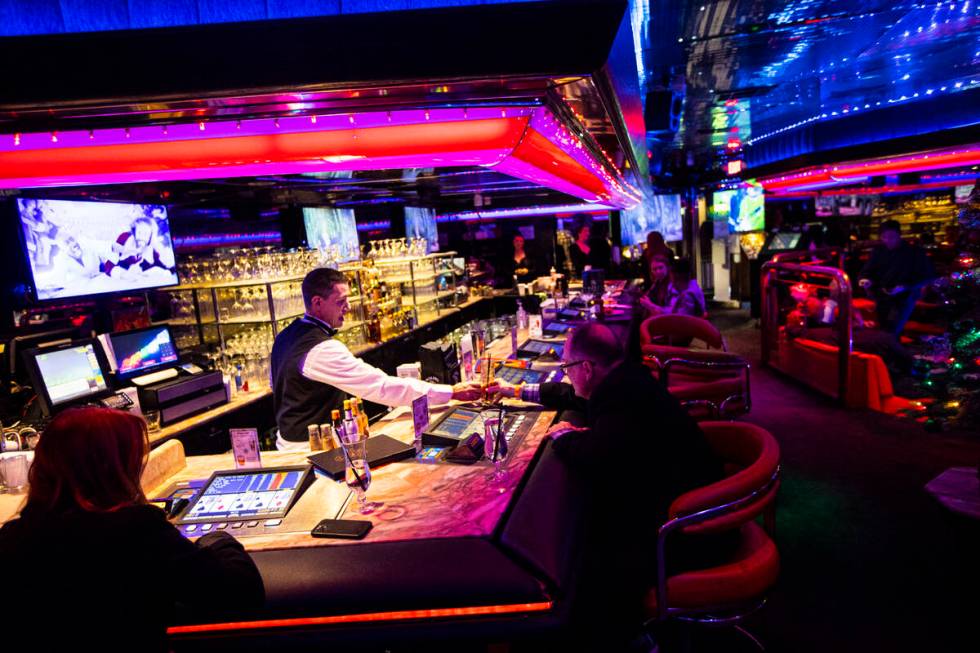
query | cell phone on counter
(344,529)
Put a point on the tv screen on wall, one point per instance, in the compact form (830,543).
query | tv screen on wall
(742,208)
(333,231)
(82,248)
(661,213)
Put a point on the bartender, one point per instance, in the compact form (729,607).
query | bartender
(312,372)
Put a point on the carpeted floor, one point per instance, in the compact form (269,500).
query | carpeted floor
(870,562)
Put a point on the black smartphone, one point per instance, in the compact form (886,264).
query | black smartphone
(346,529)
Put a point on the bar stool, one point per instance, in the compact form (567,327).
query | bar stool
(708,382)
(727,593)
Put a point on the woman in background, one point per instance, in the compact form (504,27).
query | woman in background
(660,292)
(95,566)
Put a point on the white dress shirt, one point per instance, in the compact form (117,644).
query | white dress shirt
(331,362)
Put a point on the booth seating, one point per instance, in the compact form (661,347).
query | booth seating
(914,327)
(815,363)
(515,585)
(708,382)
(727,593)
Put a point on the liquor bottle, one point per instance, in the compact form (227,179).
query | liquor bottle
(362,418)
(522,319)
(338,426)
(351,432)
(313,431)
(328,437)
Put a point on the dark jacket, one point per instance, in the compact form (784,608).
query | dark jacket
(906,265)
(642,451)
(114,581)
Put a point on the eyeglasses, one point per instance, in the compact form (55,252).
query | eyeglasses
(564,366)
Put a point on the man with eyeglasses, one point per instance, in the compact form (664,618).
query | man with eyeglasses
(638,451)
(312,372)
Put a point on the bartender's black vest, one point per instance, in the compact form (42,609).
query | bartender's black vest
(297,400)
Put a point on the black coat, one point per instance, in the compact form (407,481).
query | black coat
(114,581)
(642,451)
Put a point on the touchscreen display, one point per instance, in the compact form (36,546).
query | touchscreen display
(72,373)
(455,423)
(517,375)
(256,494)
(542,347)
(557,327)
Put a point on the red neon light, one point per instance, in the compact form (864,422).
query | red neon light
(897,165)
(880,190)
(400,615)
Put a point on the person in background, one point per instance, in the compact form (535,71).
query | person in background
(312,371)
(660,292)
(520,266)
(655,247)
(581,249)
(688,298)
(92,565)
(894,276)
(637,452)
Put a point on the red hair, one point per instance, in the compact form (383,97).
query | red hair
(89,458)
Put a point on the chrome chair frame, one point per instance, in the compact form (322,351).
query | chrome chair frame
(711,616)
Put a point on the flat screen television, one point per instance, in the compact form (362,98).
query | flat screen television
(143,350)
(421,223)
(333,231)
(661,213)
(78,248)
(742,208)
(68,374)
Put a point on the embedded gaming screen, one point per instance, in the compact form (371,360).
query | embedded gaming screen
(743,208)
(333,231)
(661,213)
(143,350)
(455,423)
(71,373)
(247,494)
(77,248)
(541,347)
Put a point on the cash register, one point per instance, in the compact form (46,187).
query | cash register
(148,359)
(71,374)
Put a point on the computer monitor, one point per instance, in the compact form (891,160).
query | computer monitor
(69,374)
(143,350)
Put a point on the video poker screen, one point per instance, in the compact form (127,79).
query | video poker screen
(558,328)
(541,347)
(252,494)
(455,423)
(143,350)
(518,375)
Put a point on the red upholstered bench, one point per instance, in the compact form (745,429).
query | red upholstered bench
(815,363)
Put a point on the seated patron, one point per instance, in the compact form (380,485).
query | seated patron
(91,565)
(660,293)
(688,296)
(637,452)
(655,246)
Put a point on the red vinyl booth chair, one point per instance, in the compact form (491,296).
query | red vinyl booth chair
(708,382)
(725,594)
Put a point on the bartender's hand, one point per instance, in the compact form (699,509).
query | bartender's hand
(500,389)
(469,391)
(864,283)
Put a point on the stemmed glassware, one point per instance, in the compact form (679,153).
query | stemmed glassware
(357,473)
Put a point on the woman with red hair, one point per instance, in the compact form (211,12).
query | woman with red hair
(91,564)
